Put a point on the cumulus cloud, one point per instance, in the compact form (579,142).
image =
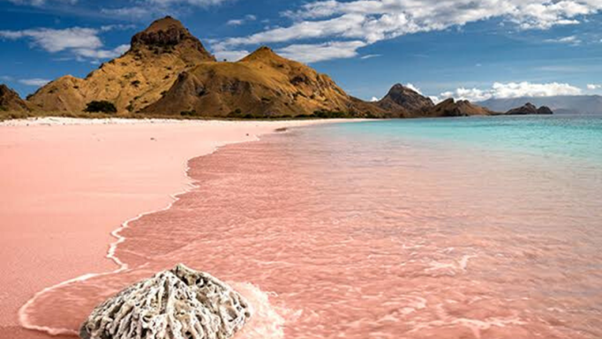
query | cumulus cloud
(56,40)
(37,82)
(593,86)
(230,55)
(84,43)
(371,21)
(414,88)
(511,90)
(320,52)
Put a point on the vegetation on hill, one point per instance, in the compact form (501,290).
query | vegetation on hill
(102,106)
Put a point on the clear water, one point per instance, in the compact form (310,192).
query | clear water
(448,228)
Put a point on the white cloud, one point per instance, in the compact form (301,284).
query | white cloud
(200,3)
(39,3)
(34,82)
(414,88)
(235,22)
(371,21)
(594,86)
(320,52)
(56,40)
(147,9)
(6,78)
(374,99)
(82,42)
(571,40)
(511,90)
(238,22)
(370,56)
(101,53)
(135,12)
(230,55)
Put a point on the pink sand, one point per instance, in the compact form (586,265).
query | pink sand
(66,184)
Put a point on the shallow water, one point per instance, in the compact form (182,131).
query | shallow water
(448,228)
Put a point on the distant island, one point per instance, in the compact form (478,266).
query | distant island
(167,72)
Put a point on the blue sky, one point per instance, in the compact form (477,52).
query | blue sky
(472,49)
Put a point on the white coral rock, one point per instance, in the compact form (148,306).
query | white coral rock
(177,304)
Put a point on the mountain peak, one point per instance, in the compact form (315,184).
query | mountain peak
(263,53)
(404,98)
(167,34)
(164,24)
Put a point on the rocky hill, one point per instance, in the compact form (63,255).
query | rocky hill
(167,71)
(578,104)
(263,84)
(528,109)
(452,108)
(133,81)
(404,101)
(11,101)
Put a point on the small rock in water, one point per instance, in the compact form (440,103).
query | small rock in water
(177,304)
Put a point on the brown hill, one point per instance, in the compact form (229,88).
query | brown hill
(11,101)
(405,101)
(529,108)
(452,108)
(138,78)
(262,84)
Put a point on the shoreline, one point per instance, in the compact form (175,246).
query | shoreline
(186,184)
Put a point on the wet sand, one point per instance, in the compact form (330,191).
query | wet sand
(67,184)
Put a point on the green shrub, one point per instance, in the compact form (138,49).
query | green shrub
(188,113)
(102,106)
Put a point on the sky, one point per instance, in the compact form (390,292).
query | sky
(466,49)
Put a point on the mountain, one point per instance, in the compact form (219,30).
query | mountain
(452,108)
(131,82)
(262,84)
(404,100)
(529,109)
(582,104)
(11,101)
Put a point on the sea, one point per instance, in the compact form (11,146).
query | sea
(484,227)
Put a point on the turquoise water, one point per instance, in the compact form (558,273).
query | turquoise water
(552,136)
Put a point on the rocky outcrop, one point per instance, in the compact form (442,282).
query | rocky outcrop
(133,81)
(404,100)
(528,109)
(452,108)
(177,304)
(545,110)
(262,84)
(11,101)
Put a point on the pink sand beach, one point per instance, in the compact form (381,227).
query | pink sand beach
(67,184)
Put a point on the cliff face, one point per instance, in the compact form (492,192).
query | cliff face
(262,84)
(404,101)
(11,101)
(133,81)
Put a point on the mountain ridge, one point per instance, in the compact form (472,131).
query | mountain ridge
(168,72)
(564,104)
